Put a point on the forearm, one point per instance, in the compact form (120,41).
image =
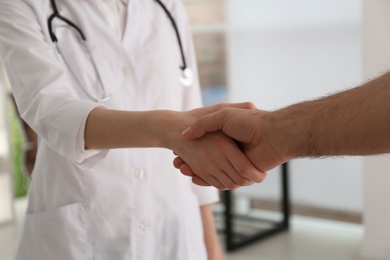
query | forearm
(353,122)
(106,129)
(210,233)
(214,155)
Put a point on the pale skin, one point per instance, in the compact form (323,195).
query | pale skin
(352,122)
(213,248)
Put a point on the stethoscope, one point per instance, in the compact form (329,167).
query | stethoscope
(186,77)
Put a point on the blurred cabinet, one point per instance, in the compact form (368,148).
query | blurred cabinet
(208,20)
(247,221)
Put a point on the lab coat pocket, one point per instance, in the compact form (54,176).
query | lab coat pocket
(59,233)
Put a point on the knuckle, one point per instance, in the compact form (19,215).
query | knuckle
(184,172)
(247,173)
(220,105)
(252,176)
(220,187)
(261,177)
(235,187)
(232,186)
(247,183)
(226,109)
(226,112)
(249,105)
(241,182)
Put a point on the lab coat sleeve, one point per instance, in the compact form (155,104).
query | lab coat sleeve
(45,96)
(205,195)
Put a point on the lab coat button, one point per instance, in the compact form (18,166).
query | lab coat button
(139,174)
(126,71)
(144,226)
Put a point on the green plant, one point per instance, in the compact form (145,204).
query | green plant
(21,181)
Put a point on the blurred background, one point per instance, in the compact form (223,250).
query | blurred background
(273,53)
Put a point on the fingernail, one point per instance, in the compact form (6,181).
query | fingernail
(186,131)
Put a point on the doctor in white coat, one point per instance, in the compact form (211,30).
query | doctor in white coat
(93,75)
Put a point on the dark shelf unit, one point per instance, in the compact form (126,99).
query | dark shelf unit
(235,240)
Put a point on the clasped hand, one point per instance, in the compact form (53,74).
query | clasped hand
(235,147)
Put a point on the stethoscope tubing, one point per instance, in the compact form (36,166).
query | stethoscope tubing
(174,25)
(56,14)
(186,77)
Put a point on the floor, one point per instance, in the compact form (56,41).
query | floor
(308,239)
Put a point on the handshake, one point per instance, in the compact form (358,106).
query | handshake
(229,145)
(234,145)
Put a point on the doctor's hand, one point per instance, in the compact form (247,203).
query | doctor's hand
(252,128)
(218,161)
(215,159)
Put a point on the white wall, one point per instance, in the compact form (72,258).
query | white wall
(284,51)
(376,59)
(6,191)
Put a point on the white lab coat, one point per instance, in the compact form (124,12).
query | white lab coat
(116,204)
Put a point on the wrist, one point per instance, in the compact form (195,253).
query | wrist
(297,130)
(285,134)
(168,128)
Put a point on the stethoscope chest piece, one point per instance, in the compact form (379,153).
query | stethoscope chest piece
(187,77)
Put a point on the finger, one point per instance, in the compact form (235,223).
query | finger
(224,181)
(186,170)
(219,178)
(177,162)
(236,176)
(224,178)
(217,107)
(241,105)
(199,181)
(245,168)
(211,180)
(209,123)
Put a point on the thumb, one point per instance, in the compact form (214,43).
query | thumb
(210,123)
(203,111)
(213,118)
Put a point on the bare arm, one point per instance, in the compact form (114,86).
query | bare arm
(226,167)
(107,129)
(210,234)
(352,122)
